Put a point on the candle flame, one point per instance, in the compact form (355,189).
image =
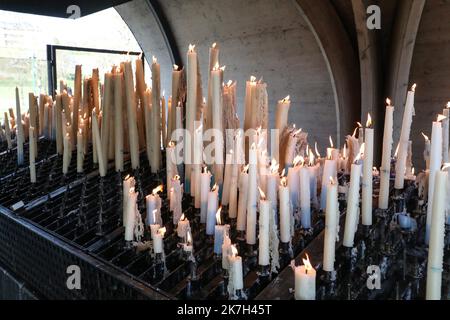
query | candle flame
(354,132)
(253,79)
(441,117)
(171,144)
(344,153)
(191,48)
(286,100)
(158,189)
(218,218)
(262,194)
(332,180)
(127,177)
(331,142)
(205,169)
(307,263)
(245,169)
(388,102)
(182,218)
(396,150)
(448,105)
(359,124)
(214,45)
(222,68)
(369,121)
(80,131)
(297,132)
(253,147)
(216,66)
(175,67)
(234,251)
(413,171)
(176,177)
(189,238)
(425,137)
(298,159)
(445,166)
(162,231)
(361,152)
(214,188)
(283,182)
(413,88)
(283,173)
(154,59)
(274,166)
(229,83)
(316,150)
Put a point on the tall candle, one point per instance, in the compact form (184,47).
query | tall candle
(20,134)
(213,61)
(98,145)
(305,281)
(352,216)
(198,160)
(329,170)
(217,122)
(32,155)
(213,204)
(385,170)
(67,153)
(367,180)
(400,165)
(219,230)
(191,111)
(435,165)
(80,151)
(265,208)
(427,151)
(176,199)
(285,212)
(305,198)
(131,115)
(294,186)
(8,132)
(205,184)
(226,251)
(171,167)
(243,199)
(156,117)
(118,121)
(252,196)
(176,82)
(233,203)
(272,185)
(331,223)
(227,179)
(281,122)
(445,133)
(437,237)
(128,183)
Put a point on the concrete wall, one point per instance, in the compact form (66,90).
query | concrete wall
(431,71)
(264,38)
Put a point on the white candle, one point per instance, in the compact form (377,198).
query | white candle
(437,237)
(213,205)
(435,165)
(32,154)
(205,185)
(128,183)
(427,151)
(130,220)
(217,122)
(385,169)
(281,121)
(188,246)
(171,167)
(173,103)
(285,212)
(19,131)
(80,151)
(131,115)
(227,179)
(219,230)
(265,207)
(367,180)
(352,216)
(98,146)
(305,281)
(329,170)
(154,229)
(153,202)
(445,134)
(183,227)
(400,165)
(155,153)
(294,186)
(67,154)
(272,185)
(252,196)
(198,160)
(118,121)
(8,132)
(305,198)
(176,199)
(191,111)
(158,244)
(331,223)
(233,203)
(226,251)
(243,199)
(235,263)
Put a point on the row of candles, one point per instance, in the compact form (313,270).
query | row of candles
(121,108)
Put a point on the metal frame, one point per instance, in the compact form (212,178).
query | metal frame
(51,61)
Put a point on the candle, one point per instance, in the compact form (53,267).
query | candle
(367,180)
(233,203)
(272,185)
(198,159)
(80,151)
(155,162)
(281,121)
(130,220)
(218,233)
(227,179)
(285,212)
(445,134)
(188,247)
(249,92)
(400,165)
(329,170)
(213,204)
(217,122)
(19,132)
(435,165)
(153,202)
(67,154)
(171,167)
(265,207)
(305,198)
(213,61)
(191,111)
(437,237)
(243,199)
(32,154)
(427,151)
(8,132)
(173,103)
(226,250)
(252,196)
(313,175)
(290,149)
(118,121)
(183,227)
(128,183)
(385,169)
(158,244)
(154,227)
(176,198)
(305,281)
(294,185)
(205,183)
(131,115)
(98,145)
(235,267)
(331,225)
(352,216)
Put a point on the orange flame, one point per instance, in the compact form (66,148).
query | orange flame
(388,102)
(369,121)
(162,231)
(413,88)
(159,188)
(215,187)
(307,263)
(262,194)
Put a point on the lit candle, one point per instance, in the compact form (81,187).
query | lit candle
(213,204)
(243,199)
(294,183)
(233,203)
(130,220)
(281,121)
(191,111)
(329,170)
(153,202)
(352,216)
(67,154)
(217,122)
(305,281)
(367,180)
(156,117)
(80,151)
(188,246)
(128,183)
(98,145)
(226,251)
(118,121)
(213,60)
(183,227)
(32,155)
(264,222)
(385,170)
(205,183)
(400,165)
(285,212)
(158,244)
(235,264)
(154,227)
(427,151)
(198,160)
(218,233)
(176,199)
(331,224)
(272,184)
(171,167)
(173,103)
(437,238)
(435,165)
(252,196)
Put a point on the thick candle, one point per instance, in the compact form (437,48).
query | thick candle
(305,281)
